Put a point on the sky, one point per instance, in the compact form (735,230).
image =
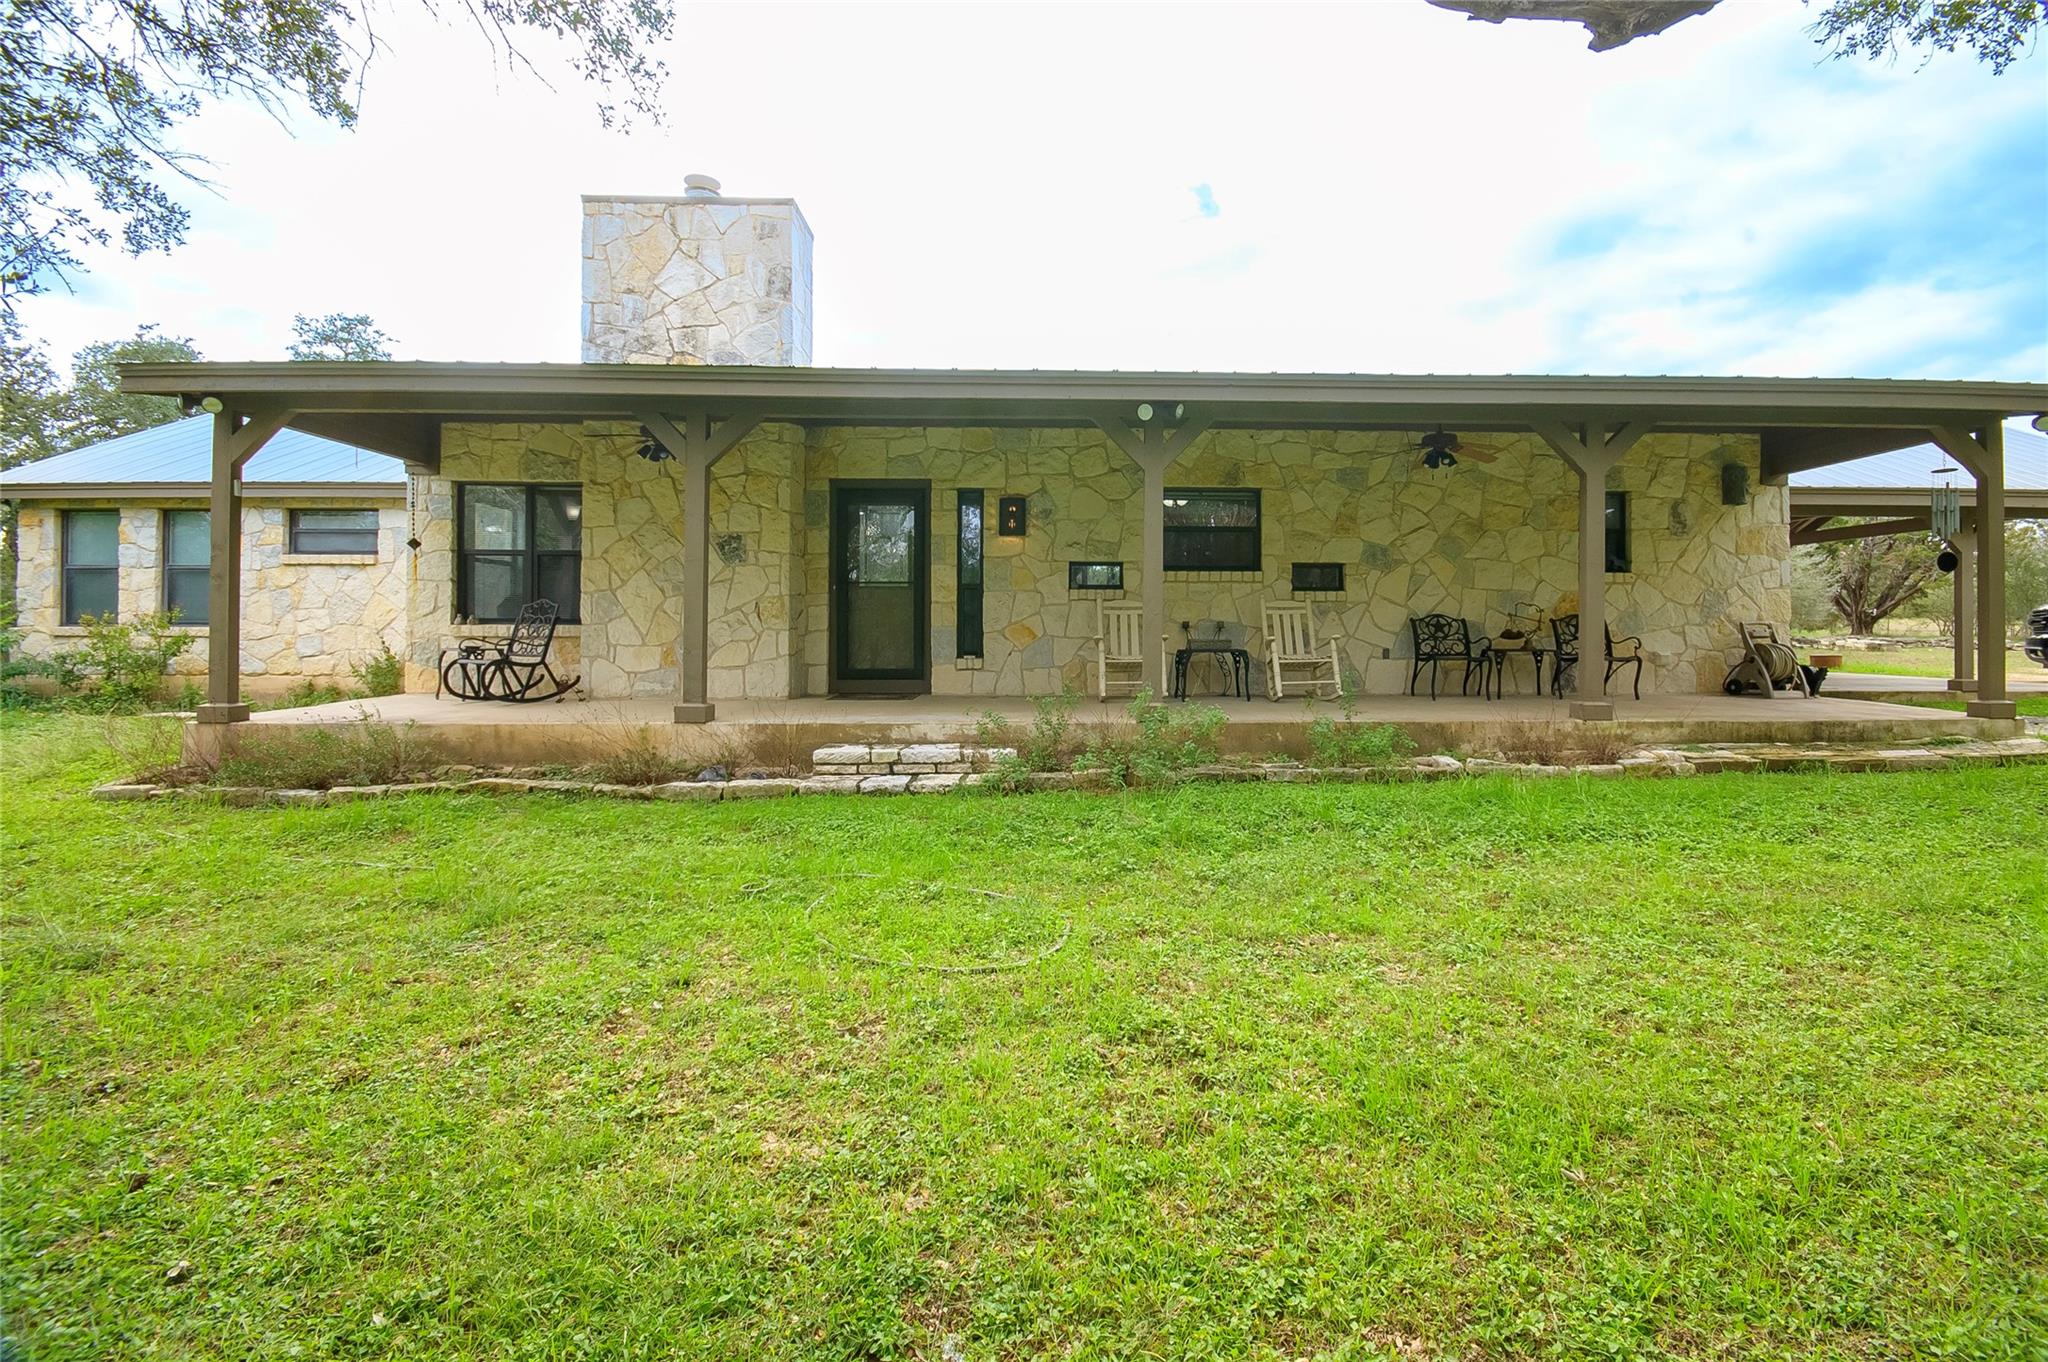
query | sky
(1375,186)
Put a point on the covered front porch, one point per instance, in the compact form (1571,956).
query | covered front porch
(657,451)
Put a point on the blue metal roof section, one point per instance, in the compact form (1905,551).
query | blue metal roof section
(2026,466)
(182,452)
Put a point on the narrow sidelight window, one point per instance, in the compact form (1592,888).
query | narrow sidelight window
(1617,532)
(335,531)
(518,543)
(967,623)
(1212,529)
(91,557)
(188,557)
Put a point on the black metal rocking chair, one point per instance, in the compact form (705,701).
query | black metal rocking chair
(1441,639)
(513,669)
(1564,631)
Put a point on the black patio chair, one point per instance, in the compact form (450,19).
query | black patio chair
(1441,639)
(1564,632)
(514,668)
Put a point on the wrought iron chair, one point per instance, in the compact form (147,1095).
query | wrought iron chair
(1564,632)
(1446,639)
(514,668)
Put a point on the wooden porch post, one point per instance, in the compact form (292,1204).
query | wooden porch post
(1592,453)
(1153,450)
(1991,701)
(236,436)
(1965,545)
(696,441)
(1983,453)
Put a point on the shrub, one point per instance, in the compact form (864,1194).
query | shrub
(122,665)
(383,673)
(294,758)
(1346,742)
(306,693)
(1158,746)
(1048,746)
(15,670)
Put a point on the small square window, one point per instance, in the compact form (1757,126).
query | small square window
(334,531)
(1318,576)
(1095,576)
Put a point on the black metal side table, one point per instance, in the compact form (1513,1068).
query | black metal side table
(1238,660)
(1500,655)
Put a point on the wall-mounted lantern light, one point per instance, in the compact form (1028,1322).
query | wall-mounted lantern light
(1010,517)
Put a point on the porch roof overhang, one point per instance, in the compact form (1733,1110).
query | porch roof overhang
(397,408)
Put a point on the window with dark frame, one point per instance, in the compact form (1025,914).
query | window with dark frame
(967,625)
(334,530)
(1212,529)
(516,543)
(188,559)
(1318,576)
(92,565)
(1617,532)
(1095,576)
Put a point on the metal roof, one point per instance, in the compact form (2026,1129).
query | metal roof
(2026,466)
(180,454)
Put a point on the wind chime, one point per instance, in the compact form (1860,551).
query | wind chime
(1945,517)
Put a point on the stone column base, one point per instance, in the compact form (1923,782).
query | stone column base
(1596,711)
(1992,709)
(695,714)
(222,714)
(1965,683)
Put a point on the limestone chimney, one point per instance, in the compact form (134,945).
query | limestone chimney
(703,278)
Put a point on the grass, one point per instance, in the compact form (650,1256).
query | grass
(1929,661)
(1732,1066)
(2029,706)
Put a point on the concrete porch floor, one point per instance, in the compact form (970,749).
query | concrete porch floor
(573,731)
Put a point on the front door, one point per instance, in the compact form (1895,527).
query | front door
(881,600)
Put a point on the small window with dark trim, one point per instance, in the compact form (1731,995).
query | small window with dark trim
(1617,532)
(92,565)
(334,531)
(967,627)
(1212,529)
(1095,576)
(518,543)
(188,554)
(1318,576)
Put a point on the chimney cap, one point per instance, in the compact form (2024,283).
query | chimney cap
(700,187)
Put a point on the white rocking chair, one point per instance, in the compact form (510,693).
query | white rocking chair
(1120,650)
(1296,657)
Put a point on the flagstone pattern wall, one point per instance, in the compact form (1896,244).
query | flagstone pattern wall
(1471,541)
(304,616)
(696,280)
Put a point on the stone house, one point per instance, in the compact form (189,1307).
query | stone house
(718,520)
(123,527)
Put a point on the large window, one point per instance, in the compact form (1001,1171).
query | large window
(519,544)
(91,558)
(335,531)
(188,554)
(967,626)
(1617,532)
(1212,529)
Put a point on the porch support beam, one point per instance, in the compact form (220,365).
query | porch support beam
(1153,449)
(1965,545)
(236,436)
(696,440)
(1983,453)
(1592,450)
(1871,530)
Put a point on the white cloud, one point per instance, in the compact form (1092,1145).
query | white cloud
(1010,187)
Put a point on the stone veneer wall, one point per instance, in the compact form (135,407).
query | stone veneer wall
(1472,541)
(625,645)
(696,281)
(304,616)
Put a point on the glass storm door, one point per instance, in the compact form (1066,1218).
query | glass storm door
(881,559)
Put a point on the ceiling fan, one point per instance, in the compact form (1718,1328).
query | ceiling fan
(1441,448)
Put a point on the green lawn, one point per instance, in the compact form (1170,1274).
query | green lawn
(2029,706)
(1930,661)
(1733,1066)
